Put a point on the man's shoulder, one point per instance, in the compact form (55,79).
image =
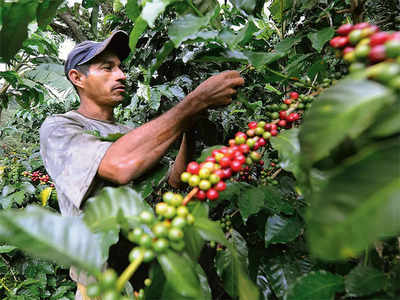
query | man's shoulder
(70,118)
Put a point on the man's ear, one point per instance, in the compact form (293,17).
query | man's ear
(76,77)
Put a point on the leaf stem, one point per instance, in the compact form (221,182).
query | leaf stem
(287,77)
(129,271)
(366,257)
(189,196)
(194,8)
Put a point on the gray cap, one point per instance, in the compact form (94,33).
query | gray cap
(87,50)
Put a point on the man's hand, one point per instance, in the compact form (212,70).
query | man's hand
(218,89)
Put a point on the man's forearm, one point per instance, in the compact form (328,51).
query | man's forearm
(134,153)
(184,155)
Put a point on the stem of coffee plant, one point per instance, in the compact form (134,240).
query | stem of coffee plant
(189,196)
(129,271)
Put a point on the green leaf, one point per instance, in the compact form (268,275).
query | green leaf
(279,7)
(46,11)
(170,293)
(388,123)
(111,137)
(162,55)
(16,17)
(364,281)
(138,29)
(207,152)
(182,28)
(232,267)
(132,9)
(153,9)
(210,231)
(287,44)
(250,201)
(52,237)
(243,35)
(282,271)
(104,211)
(28,187)
(180,275)
(246,5)
(275,202)
(288,146)
(357,205)
(194,242)
(272,89)
(7,248)
(316,286)
(280,229)
(8,201)
(319,38)
(145,184)
(344,110)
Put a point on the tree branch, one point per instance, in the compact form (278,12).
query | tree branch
(77,33)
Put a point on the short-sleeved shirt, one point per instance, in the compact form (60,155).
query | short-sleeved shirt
(72,156)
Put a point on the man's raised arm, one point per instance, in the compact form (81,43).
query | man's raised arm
(137,151)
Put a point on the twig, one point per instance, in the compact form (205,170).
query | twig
(276,173)
(189,196)
(246,68)
(129,271)
(8,264)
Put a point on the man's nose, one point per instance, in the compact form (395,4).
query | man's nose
(121,75)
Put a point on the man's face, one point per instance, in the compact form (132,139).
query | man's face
(104,83)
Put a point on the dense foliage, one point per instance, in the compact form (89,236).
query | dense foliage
(309,208)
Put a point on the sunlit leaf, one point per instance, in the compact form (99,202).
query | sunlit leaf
(288,146)
(357,205)
(104,211)
(319,38)
(51,236)
(344,110)
(180,275)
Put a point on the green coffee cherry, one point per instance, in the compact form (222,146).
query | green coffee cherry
(182,211)
(179,222)
(168,196)
(93,290)
(148,255)
(146,217)
(135,235)
(135,253)
(108,279)
(147,282)
(160,230)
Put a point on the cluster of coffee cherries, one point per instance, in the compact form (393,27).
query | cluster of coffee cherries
(209,176)
(106,287)
(38,176)
(157,234)
(371,50)
(266,177)
(154,236)
(226,223)
(293,101)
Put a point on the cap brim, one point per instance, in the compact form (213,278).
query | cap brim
(118,41)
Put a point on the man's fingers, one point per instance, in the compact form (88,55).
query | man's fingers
(231,74)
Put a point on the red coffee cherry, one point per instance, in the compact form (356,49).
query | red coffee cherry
(345,29)
(212,194)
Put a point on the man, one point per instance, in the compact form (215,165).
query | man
(79,163)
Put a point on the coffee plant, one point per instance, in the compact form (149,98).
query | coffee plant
(293,191)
